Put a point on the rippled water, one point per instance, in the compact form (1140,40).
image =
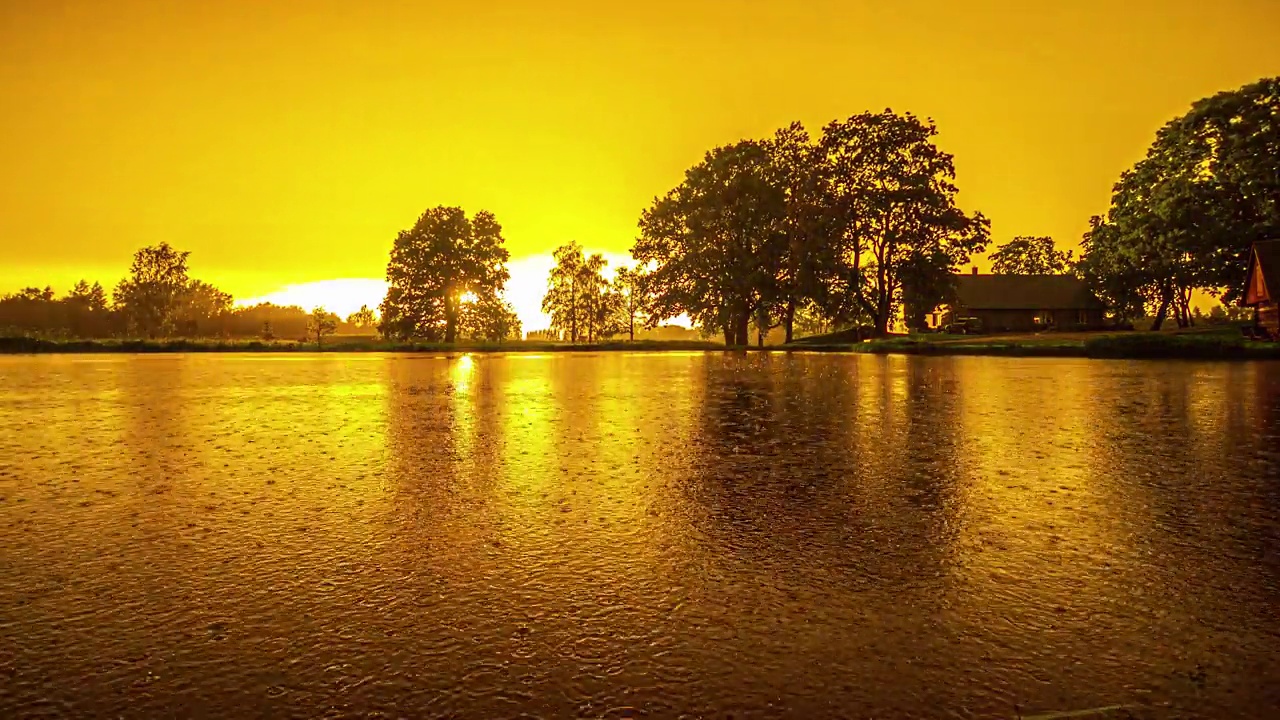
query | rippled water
(627,535)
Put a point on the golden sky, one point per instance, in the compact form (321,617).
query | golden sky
(285,142)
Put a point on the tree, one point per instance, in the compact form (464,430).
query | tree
(434,264)
(203,310)
(488,317)
(31,311)
(1030,256)
(320,323)
(628,294)
(578,297)
(928,280)
(717,243)
(596,301)
(799,172)
(92,298)
(362,318)
(87,314)
(893,212)
(1183,218)
(150,296)
(563,299)
(268,321)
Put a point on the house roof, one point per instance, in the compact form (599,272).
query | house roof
(1268,260)
(1025,292)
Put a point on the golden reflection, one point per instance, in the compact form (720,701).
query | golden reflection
(1034,505)
(462,402)
(461,372)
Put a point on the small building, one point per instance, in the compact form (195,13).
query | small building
(1264,271)
(1027,303)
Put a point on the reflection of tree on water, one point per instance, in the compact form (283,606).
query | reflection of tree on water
(446,442)
(795,464)
(819,499)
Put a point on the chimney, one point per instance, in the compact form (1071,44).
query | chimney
(975,269)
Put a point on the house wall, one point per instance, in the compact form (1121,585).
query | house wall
(1269,317)
(1025,320)
(1091,319)
(1006,320)
(1257,290)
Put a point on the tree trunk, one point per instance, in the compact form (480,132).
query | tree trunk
(789,319)
(1161,312)
(742,329)
(450,320)
(728,333)
(882,320)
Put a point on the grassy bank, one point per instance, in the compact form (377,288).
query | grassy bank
(1209,344)
(1200,344)
(23,345)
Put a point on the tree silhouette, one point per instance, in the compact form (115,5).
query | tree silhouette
(628,301)
(578,297)
(798,170)
(203,310)
(150,296)
(488,317)
(87,311)
(717,242)
(1025,255)
(1184,217)
(562,301)
(596,301)
(90,297)
(433,264)
(892,195)
(320,323)
(362,318)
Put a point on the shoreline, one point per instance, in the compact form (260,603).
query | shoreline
(1199,345)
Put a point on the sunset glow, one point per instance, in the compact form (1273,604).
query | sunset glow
(344,296)
(284,146)
(668,358)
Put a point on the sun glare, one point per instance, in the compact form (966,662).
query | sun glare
(341,296)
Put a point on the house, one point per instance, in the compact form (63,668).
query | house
(1264,272)
(1026,303)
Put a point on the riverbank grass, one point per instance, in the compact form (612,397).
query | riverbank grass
(1213,343)
(332,344)
(1202,344)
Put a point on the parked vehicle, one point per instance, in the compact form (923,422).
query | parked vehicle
(964,326)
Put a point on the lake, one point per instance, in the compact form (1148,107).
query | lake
(637,535)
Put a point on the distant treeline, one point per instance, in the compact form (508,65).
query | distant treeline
(157,299)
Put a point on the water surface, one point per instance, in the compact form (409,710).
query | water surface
(637,535)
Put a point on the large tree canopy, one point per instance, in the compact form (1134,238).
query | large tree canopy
(442,258)
(714,245)
(851,226)
(1030,256)
(1184,216)
(150,297)
(891,195)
